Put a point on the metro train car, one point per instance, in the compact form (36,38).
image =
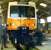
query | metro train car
(20,19)
(21,15)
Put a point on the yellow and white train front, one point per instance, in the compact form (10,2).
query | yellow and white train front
(21,15)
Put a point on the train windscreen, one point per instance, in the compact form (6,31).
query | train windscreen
(22,11)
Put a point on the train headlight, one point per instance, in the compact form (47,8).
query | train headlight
(24,28)
(31,3)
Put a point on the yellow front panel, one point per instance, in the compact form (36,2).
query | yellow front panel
(13,24)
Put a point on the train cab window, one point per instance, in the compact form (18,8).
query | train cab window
(22,11)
